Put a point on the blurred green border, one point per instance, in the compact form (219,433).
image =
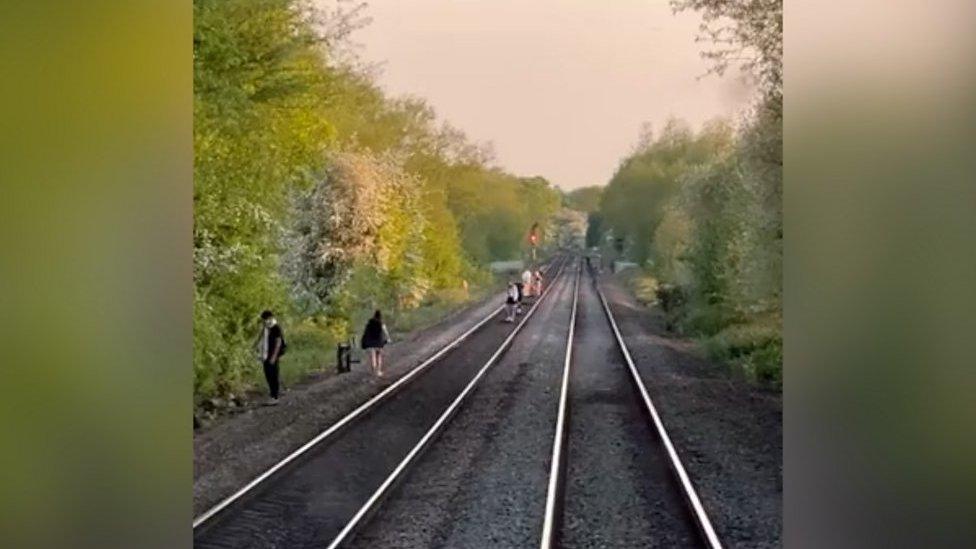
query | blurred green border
(95,222)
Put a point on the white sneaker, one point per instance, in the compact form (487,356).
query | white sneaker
(272,402)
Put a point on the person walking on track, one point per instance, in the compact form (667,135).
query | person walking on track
(375,337)
(520,295)
(511,302)
(271,345)
(537,282)
(528,288)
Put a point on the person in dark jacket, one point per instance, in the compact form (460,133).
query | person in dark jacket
(511,301)
(375,337)
(271,345)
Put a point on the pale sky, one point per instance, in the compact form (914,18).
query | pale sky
(560,87)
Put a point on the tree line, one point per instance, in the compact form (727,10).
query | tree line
(319,196)
(701,212)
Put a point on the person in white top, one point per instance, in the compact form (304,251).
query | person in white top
(527,283)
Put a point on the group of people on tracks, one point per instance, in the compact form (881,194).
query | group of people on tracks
(528,285)
(270,345)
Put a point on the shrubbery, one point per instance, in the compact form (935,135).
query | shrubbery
(710,238)
(319,197)
(702,213)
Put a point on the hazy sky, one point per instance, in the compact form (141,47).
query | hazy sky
(560,87)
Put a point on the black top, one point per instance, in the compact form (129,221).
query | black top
(274,336)
(373,335)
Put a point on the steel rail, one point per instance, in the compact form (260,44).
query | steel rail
(354,415)
(688,489)
(550,519)
(373,502)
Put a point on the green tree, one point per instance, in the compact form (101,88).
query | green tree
(319,196)
(584,199)
(635,200)
(748,33)
(257,133)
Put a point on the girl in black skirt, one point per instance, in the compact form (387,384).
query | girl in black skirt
(375,336)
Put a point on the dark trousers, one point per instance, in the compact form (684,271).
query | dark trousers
(271,374)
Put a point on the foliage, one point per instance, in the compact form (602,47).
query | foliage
(362,219)
(256,133)
(584,199)
(594,229)
(702,213)
(635,200)
(748,33)
(708,232)
(495,211)
(318,196)
(568,228)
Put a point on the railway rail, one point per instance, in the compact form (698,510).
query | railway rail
(611,389)
(614,476)
(324,489)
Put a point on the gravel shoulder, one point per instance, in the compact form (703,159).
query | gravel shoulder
(237,448)
(728,432)
(483,482)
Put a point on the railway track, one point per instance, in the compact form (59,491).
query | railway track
(323,491)
(613,480)
(616,479)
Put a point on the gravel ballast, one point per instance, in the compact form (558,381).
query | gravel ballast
(238,448)
(727,431)
(483,482)
(308,502)
(619,489)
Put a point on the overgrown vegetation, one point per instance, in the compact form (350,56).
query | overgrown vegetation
(702,212)
(321,198)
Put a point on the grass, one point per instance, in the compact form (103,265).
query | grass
(311,348)
(434,308)
(753,345)
(756,347)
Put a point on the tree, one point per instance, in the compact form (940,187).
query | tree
(635,200)
(318,195)
(257,135)
(748,33)
(584,199)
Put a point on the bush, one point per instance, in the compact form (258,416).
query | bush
(703,321)
(311,347)
(645,289)
(756,348)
